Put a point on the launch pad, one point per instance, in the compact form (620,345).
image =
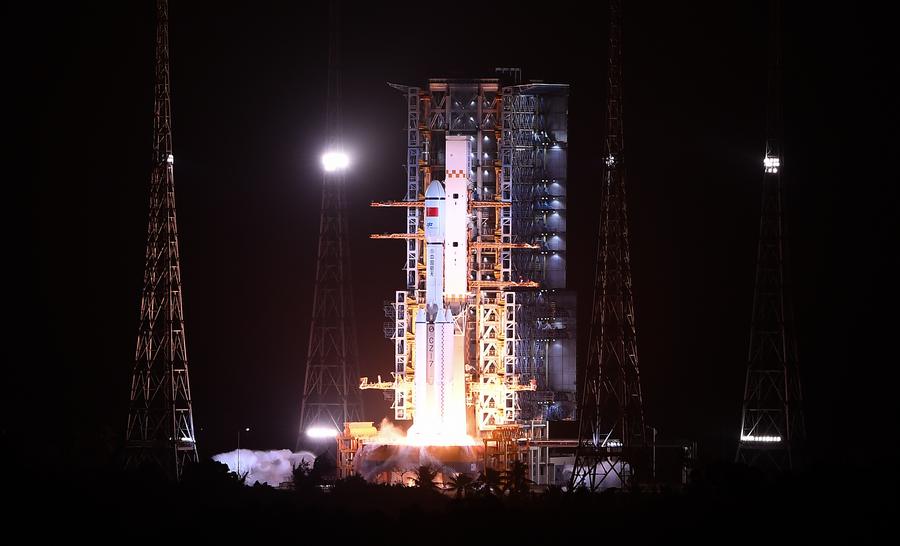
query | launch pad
(391,457)
(398,463)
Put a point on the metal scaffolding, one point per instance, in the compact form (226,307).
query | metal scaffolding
(160,426)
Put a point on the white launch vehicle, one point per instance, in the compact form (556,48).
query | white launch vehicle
(440,380)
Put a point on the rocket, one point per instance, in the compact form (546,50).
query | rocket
(439,328)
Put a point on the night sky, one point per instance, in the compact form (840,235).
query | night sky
(248,87)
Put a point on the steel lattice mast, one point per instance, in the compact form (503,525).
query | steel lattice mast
(611,430)
(330,391)
(160,423)
(772,422)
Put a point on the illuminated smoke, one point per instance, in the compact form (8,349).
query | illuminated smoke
(269,467)
(373,459)
(389,433)
(392,451)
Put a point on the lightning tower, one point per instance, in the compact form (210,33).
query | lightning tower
(772,422)
(611,430)
(330,391)
(160,426)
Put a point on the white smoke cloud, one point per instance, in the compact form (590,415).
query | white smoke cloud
(392,451)
(269,467)
(389,433)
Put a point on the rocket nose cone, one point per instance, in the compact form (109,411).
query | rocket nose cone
(435,189)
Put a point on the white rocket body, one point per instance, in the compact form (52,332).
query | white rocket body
(435,212)
(456,251)
(440,382)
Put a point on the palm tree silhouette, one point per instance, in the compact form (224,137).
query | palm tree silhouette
(425,477)
(490,482)
(515,480)
(461,484)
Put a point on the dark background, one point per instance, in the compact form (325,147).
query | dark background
(248,87)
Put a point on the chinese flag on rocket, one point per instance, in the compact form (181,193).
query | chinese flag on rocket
(431,211)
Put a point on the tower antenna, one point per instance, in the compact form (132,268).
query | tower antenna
(160,422)
(331,396)
(611,416)
(772,418)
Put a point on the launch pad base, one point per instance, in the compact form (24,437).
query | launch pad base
(398,463)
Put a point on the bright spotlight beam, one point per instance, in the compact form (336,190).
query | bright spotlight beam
(335,161)
(321,432)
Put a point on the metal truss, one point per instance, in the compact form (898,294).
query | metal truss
(772,423)
(403,370)
(611,412)
(413,190)
(160,427)
(330,394)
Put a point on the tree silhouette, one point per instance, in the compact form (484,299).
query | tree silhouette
(516,481)
(300,471)
(306,477)
(425,477)
(553,492)
(490,482)
(324,468)
(461,484)
(208,475)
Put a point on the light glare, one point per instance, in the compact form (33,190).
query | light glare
(321,432)
(766,439)
(333,161)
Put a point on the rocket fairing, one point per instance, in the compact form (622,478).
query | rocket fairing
(440,382)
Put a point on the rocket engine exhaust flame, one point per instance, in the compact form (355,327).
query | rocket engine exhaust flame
(390,434)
